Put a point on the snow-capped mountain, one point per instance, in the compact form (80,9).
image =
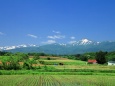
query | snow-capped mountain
(83,42)
(74,47)
(18,46)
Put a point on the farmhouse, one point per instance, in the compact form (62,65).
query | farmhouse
(111,62)
(92,61)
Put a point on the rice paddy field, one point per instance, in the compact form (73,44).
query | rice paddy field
(65,62)
(57,80)
(71,73)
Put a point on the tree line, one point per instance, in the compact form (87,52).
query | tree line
(9,61)
(102,57)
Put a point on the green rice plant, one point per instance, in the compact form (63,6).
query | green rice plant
(57,80)
(65,62)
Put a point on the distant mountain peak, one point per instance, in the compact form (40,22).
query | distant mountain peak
(18,46)
(82,42)
(85,40)
(81,46)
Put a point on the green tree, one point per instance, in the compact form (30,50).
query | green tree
(84,58)
(36,57)
(77,56)
(11,63)
(100,57)
(28,64)
(48,58)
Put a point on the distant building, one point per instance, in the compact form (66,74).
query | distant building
(92,61)
(111,62)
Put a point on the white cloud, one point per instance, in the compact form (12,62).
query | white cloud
(33,36)
(49,42)
(71,42)
(56,37)
(56,32)
(72,37)
(1,33)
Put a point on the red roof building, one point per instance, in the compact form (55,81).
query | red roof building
(92,61)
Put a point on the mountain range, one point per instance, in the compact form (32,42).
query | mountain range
(74,47)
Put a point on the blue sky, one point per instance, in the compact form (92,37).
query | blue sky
(51,21)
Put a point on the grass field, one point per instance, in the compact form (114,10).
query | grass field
(57,80)
(51,73)
(65,62)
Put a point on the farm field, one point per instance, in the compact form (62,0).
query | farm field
(53,65)
(57,80)
(65,62)
(93,67)
(57,71)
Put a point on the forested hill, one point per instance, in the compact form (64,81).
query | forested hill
(67,48)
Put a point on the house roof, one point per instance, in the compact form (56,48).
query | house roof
(92,61)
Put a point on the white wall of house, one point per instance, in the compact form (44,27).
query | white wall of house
(111,63)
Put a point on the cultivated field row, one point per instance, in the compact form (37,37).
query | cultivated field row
(57,80)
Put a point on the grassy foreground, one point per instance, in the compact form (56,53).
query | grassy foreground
(50,73)
(57,80)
